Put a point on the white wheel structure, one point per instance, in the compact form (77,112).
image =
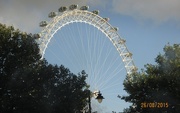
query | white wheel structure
(92,18)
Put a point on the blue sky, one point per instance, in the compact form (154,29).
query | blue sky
(145,35)
(147,26)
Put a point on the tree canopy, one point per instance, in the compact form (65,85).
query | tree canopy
(31,85)
(157,88)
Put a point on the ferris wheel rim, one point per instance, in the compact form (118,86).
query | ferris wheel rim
(90,18)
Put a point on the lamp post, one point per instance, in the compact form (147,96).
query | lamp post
(97,96)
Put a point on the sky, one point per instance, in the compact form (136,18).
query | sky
(147,25)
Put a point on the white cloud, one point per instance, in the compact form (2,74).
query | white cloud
(26,14)
(98,3)
(156,10)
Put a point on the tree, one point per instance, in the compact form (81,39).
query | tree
(156,89)
(66,91)
(18,54)
(17,50)
(31,85)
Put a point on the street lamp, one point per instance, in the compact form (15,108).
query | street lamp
(97,96)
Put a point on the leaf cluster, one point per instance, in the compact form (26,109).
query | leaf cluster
(158,83)
(31,85)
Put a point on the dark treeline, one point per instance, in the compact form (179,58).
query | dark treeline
(157,88)
(31,85)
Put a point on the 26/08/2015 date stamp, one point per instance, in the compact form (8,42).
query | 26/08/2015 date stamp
(154,105)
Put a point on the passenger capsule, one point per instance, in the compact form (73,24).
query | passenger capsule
(106,19)
(95,12)
(24,33)
(30,34)
(72,7)
(43,24)
(128,54)
(122,41)
(36,36)
(62,9)
(52,14)
(116,28)
(84,8)
(134,68)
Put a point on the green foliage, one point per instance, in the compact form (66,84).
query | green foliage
(159,83)
(65,91)
(16,50)
(31,85)
(19,54)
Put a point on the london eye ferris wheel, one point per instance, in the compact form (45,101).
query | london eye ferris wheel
(84,40)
